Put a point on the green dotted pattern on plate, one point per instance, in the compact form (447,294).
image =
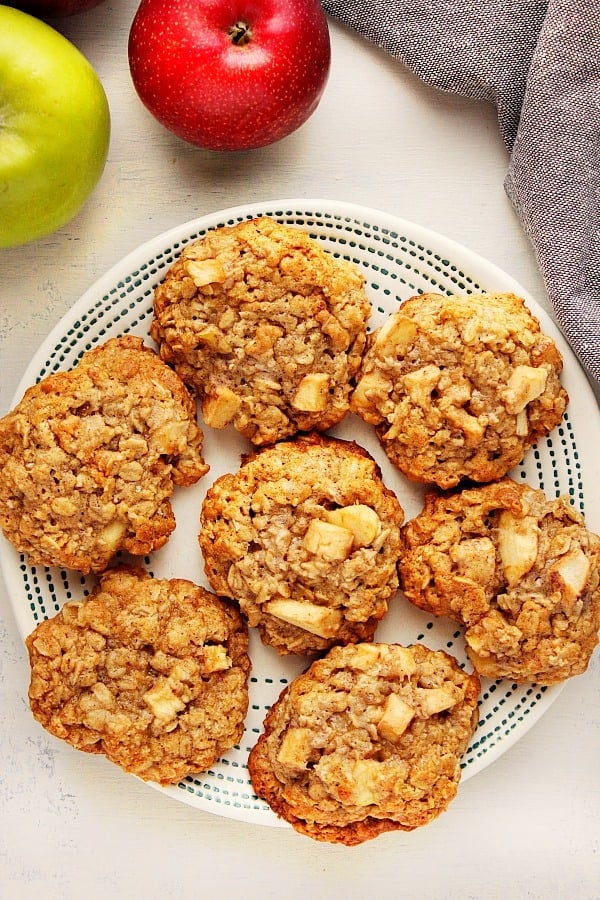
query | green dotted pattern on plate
(395,267)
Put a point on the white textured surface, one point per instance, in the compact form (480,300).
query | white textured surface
(73,825)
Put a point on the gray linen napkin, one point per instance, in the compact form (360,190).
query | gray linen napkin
(539,63)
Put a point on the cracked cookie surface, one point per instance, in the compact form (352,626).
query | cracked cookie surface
(305,537)
(91,457)
(266,326)
(518,570)
(152,673)
(369,739)
(459,387)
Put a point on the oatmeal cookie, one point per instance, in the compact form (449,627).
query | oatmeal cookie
(518,570)
(266,326)
(151,673)
(459,387)
(90,458)
(368,740)
(305,537)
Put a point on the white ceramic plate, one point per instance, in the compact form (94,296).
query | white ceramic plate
(398,259)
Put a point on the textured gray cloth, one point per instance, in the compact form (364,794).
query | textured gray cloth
(539,64)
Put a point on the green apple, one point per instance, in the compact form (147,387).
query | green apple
(54,128)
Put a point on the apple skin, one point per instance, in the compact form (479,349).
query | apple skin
(54,128)
(54,8)
(218,94)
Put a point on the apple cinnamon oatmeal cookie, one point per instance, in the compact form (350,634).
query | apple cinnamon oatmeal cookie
(266,326)
(520,571)
(369,739)
(90,458)
(459,387)
(305,537)
(151,673)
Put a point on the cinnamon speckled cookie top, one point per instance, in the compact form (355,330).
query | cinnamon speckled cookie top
(459,387)
(519,571)
(150,672)
(368,740)
(305,536)
(266,326)
(90,458)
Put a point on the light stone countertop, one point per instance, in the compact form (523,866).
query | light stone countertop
(72,825)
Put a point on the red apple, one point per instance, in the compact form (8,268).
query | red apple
(49,9)
(230,74)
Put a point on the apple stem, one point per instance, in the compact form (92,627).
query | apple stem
(240,34)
